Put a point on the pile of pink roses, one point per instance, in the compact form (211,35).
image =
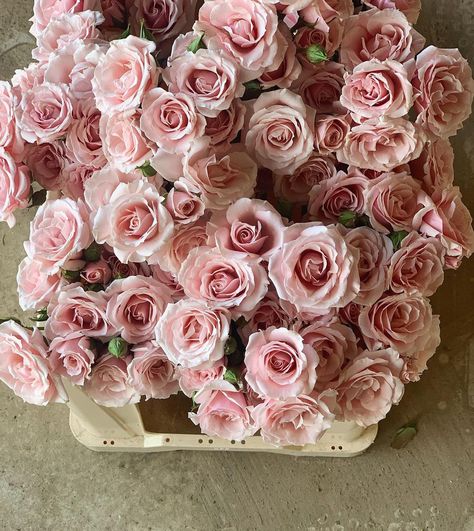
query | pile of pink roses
(250,202)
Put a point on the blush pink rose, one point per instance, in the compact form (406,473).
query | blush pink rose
(223,412)
(224,128)
(120,270)
(72,357)
(108,384)
(193,380)
(315,269)
(24,366)
(330,132)
(326,33)
(135,306)
(369,386)
(182,242)
(14,187)
(223,281)
(410,8)
(97,272)
(193,335)
(46,163)
(9,134)
(86,58)
(124,74)
(36,288)
(83,139)
(166,278)
(184,206)
(150,372)
(46,10)
(417,362)
(279,364)
(279,134)
(74,178)
(324,8)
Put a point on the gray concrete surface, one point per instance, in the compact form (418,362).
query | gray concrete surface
(49,482)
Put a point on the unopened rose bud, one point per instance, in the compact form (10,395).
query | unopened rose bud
(316,54)
(230,346)
(348,219)
(118,347)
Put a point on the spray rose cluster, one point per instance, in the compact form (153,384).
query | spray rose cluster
(250,202)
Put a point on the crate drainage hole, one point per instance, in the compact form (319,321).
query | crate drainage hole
(232,442)
(340,447)
(200,441)
(167,439)
(333,447)
(105,442)
(242,442)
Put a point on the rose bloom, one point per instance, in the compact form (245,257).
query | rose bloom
(97,272)
(120,270)
(369,386)
(115,13)
(325,33)
(46,163)
(251,227)
(135,306)
(224,128)
(296,187)
(150,372)
(382,146)
(193,335)
(46,10)
(400,321)
(86,58)
(246,30)
(83,139)
(171,120)
(73,179)
(379,35)
(124,74)
(14,187)
(72,357)
(417,267)
(444,84)
(24,366)
(279,364)
(108,384)
(223,412)
(417,362)
(58,232)
(134,222)
(223,281)
(410,8)
(9,134)
(184,206)
(330,132)
(76,310)
(210,78)
(166,278)
(182,242)
(324,8)
(295,420)
(315,269)
(36,288)
(44,113)
(280,131)
(193,380)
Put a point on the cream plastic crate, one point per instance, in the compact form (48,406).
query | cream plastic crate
(163,426)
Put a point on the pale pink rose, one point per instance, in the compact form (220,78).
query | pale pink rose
(58,232)
(44,11)
(76,310)
(166,278)
(224,127)
(251,227)
(72,357)
(331,197)
(350,314)
(410,8)
(375,251)
(9,134)
(446,217)
(60,63)
(14,187)
(330,132)
(150,372)
(223,281)
(323,317)
(295,420)
(280,131)
(135,306)
(182,242)
(279,364)
(86,58)
(315,269)
(369,386)
(379,35)
(246,30)
(193,380)
(210,78)
(83,139)
(120,270)
(27,78)
(44,113)
(97,272)
(324,8)
(73,179)
(400,321)
(36,288)
(375,174)
(382,146)
(184,206)
(417,363)
(445,89)
(24,366)
(180,46)
(134,222)
(170,120)
(192,335)
(108,384)
(46,163)
(326,33)
(124,74)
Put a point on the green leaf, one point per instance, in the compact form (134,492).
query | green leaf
(404,435)
(38,198)
(316,54)
(348,219)
(145,33)
(196,44)
(285,208)
(93,287)
(253,85)
(40,316)
(147,170)
(231,377)
(126,33)
(70,276)
(118,347)
(93,252)
(230,346)
(397,238)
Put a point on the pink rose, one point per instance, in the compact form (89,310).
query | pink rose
(86,58)
(410,8)
(279,364)
(350,314)
(166,278)
(9,134)
(295,420)
(177,249)
(320,86)
(324,8)
(315,269)
(193,380)
(210,78)
(72,357)
(47,10)
(74,178)
(14,187)
(134,222)
(124,74)
(379,35)
(369,386)
(115,13)
(330,133)
(36,288)
(192,335)
(150,373)
(58,232)
(383,145)
(223,281)
(326,33)
(108,384)
(76,310)
(97,272)
(417,362)
(224,127)
(46,163)
(445,88)
(83,139)
(184,206)
(135,306)
(120,270)
(280,131)
(251,227)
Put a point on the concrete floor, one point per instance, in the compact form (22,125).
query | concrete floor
(49,482)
